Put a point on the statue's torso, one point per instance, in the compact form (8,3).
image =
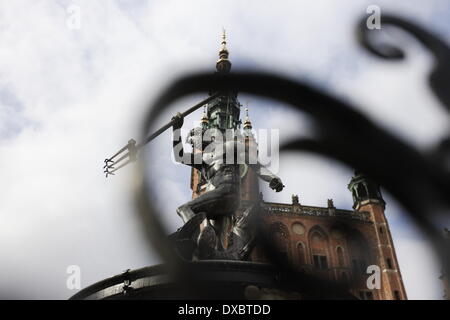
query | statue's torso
(222,163)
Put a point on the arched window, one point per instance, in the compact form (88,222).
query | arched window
(340,256)
(389,263)
(362,192)
(319,249)
(373,191)
(301,253)
(359,253)
(280,236)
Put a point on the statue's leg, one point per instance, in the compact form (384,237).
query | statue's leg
(207,242)
(221,212)
(188,230)
(186,236)
(185,212)
(215,204)
(222,226)
(242,237)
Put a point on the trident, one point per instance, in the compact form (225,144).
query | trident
(132,148)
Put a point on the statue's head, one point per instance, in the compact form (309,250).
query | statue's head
(199,138)
(194,138)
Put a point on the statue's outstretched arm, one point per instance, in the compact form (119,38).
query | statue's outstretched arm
(266,175)
(187,158)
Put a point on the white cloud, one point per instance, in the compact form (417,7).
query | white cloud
(418,253)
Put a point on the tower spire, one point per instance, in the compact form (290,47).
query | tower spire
(247,122)
(223,112)
(223,48)
(223,65)
(204,119)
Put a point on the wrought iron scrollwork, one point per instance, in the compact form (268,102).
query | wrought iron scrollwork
(439,77)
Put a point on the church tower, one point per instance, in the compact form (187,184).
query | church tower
(367,198)
(223,113)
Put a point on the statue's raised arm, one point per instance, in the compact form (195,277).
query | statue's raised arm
(265,174)
(179,154)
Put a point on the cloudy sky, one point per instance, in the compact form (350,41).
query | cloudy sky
(72,92)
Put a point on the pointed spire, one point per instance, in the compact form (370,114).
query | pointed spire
(247,122)
(223,65)
(223,53)
(204,119)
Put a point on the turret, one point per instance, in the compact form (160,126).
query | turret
(364,191)
(367,198)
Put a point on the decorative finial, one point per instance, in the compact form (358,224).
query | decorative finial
(204,119)
(330,203)
(247,122)
(223,65)
(223,53)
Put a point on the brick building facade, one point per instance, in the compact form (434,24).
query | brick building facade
(330,242)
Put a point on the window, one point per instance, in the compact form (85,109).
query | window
(363,266)
(320,262)
(362,192)
(373,191)
(323,262)
(389,263)
(319,249)
(359,266)
(340,254)
(397,295)
(301,254)
(344,277)
(280,238)
(355,266)
(381,230)
(366,295)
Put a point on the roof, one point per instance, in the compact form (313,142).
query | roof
(302,210)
